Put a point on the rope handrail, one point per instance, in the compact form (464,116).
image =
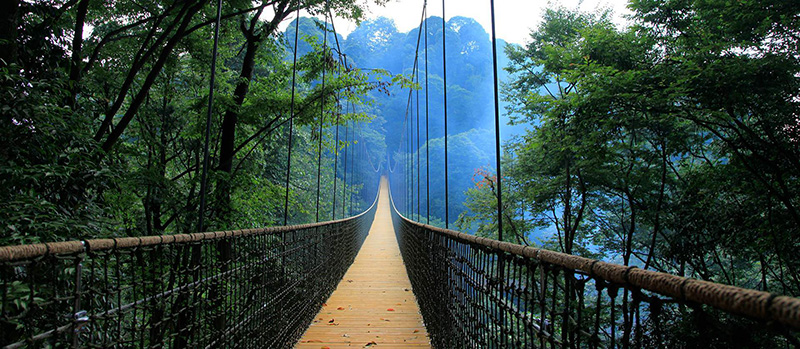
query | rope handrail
(211,289)
(518,280)
(753,303)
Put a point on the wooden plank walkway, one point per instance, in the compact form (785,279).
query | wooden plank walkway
(373,306)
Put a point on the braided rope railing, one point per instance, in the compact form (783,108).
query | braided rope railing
(476,292)
(248,288)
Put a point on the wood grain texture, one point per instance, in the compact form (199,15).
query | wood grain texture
(373,306)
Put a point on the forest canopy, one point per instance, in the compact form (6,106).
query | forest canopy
(104,107)
(671,145)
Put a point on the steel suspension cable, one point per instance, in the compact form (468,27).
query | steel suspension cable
(402,134)
(400,149)
(369,158)
(359,163)
(444,83)
(355,165)
(399,144)
(501,260)
(415,77)
(336,152)
(427,144)
(497,130)
(352,165)
(346,149)
(405,154)
(344,185)
(338,113)
(418,146)
(322,112)
(411,146)
(408,157)
(405,163)
(409,170)
(291,119)
(206,154)
(389,166)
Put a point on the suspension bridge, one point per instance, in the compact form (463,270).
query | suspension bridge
(373,279)
(376,278)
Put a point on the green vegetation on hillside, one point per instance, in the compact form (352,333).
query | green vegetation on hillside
(103,115)
(671,145)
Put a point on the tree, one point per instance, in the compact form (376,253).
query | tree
(103,109)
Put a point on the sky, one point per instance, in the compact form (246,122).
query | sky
(514,18)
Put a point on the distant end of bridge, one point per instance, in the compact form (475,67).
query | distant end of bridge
(374,303)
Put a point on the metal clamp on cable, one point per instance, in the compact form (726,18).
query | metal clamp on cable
(79,320)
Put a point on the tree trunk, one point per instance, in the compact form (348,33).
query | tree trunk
(137,100)
(75,62)
(228,131)
(228,148)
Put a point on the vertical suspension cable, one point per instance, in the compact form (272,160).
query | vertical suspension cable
(444,80)
(409,170)
(353,171)
(405,165)
(336,153)
(365,175)
(344,185)
(497,129)
(291,120)
(402,194)
(359,167)
(322,112)
(338,113)
(352,164)
(206,155)
(418,146)
(415,107)
(357,176)
(410,161)
(427,152)
(345,189)
(501,259)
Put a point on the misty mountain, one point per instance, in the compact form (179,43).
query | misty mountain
(377,44)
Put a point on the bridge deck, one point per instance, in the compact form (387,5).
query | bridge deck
(373,304)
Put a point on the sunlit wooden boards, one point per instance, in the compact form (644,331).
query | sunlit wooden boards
(373,306)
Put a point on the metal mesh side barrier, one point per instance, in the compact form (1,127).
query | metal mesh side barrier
(481,293)
(246,289)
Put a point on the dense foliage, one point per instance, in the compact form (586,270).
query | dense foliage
(104,112)
(104,106)
(670,145)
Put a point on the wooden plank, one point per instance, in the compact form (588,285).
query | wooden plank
(373,305)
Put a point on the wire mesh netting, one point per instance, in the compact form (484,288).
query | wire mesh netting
(249,288)
(481,293)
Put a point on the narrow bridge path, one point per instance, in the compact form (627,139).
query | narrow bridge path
(373,304)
